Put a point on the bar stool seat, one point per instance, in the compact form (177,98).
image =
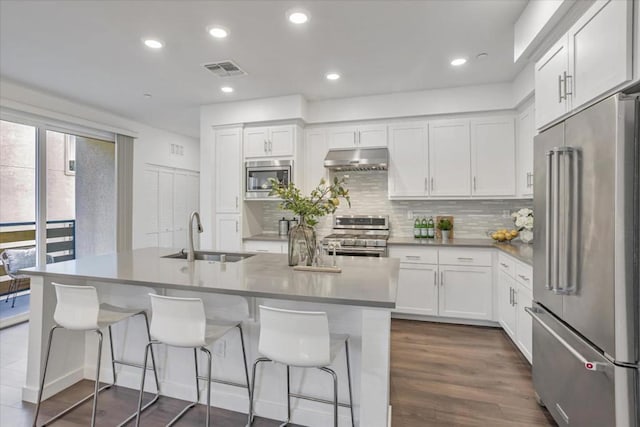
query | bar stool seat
(181,322)
(78,309)
(301,339)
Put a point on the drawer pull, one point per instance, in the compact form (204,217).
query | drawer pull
(261,250)
(504,265)
(462,258)
(523,277)
(412,256)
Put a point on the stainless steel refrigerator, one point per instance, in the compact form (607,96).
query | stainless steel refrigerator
(586,328)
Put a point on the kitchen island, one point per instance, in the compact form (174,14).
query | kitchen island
(358,301)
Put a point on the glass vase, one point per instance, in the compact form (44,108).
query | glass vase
(302,244)
(526,236)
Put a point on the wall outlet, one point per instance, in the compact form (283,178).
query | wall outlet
(220,348)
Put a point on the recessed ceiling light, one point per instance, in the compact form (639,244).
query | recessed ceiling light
(298,16)
(226,89)
(218,32)
(332,76)
(153,44)
(458,61)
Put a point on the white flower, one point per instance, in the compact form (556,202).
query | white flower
(514,215)
(520,221)
(525,211)
(528,223)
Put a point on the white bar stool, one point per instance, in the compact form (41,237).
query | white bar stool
(300,339)
(181,322)
(78,309)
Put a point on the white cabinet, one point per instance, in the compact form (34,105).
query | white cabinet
(274,141)
(449,158)
(550,72)
(514,294)
(593,58)
(358,136)
(185,200)
(600,55)
(493,157)
(408,160)
(417,289)
(315,151)
(264,246)
(526,133)
(466,292)
(228,170)
(228,236)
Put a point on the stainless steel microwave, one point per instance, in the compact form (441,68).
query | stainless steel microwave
(257,176)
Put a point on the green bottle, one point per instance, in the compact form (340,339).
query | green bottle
(423,228)
(431,228)
(416,228)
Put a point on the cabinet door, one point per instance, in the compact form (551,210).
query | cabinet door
(372,136)
(600,49)
(281,141)
(165,204)
(524,327)
(228,171)
(408,170)
(181,210)
(342,137)
(228,233)
(150,197)
(493,157)
(526,132)
(449,158)
(466,292)
(549,71)
(314,153)
(256,142)
(417,289)
(506,310)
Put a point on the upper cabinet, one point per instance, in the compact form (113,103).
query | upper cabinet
(449,158)
(493,157)
(592,59)
(526,132)
(408,160)
(274,141)
(366,136)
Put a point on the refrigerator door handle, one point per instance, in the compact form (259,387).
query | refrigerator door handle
(588,365)
(568,157)
(549,223)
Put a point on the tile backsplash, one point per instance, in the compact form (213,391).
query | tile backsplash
(368,190)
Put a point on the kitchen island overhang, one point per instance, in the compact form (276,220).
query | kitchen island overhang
(358,300)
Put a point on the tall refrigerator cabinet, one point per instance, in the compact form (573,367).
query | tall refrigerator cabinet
(586,333)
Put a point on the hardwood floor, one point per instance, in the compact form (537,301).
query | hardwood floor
(454,375)
(441,375)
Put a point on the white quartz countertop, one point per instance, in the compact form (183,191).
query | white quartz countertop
(368,282)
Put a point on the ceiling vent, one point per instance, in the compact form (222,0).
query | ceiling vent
(225,69)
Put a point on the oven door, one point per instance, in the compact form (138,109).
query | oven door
(257,175)
(358,251)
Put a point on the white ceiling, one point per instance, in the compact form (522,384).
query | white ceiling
(91,51)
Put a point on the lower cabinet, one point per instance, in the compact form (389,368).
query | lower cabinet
(466,292)
(418,289)
(514,294)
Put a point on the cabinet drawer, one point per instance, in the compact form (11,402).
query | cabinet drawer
(507,264)
(465,256)
(414,255)
(263,246)
(524,275)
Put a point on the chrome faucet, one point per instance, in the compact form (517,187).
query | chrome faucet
(191,256)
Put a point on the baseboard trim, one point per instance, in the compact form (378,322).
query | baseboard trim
(14,320)
(436,319)
(30,394)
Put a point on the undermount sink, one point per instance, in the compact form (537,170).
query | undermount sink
(210,256)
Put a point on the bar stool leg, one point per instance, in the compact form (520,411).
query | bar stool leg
(195,359)
(113,356)
(209,361)
(144,375)
(335,394)
(286,423)
(253,387)
(244,358)
(44,373)
(346,349)
(97,386)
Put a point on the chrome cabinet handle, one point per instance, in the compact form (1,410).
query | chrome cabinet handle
(589,366)
(566,79)
(504,265)
(412,257)
(237,226)
(270,146)
(435,278)
(523,277)
(515,299)
(442,278)
(426,185)
(431,183)
(236,202)
(474,184)
(462,258)
(261,250)
(560,97)
(265,145)
(510,296)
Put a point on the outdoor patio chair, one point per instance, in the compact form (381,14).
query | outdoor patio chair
(14,260)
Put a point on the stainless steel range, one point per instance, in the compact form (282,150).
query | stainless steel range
(358,235)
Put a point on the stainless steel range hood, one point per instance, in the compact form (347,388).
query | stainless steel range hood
(358,159)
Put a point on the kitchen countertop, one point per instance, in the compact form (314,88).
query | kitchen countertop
(367,282)
(521,251)
(268,237)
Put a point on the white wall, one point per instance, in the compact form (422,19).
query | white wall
(524,84)
(254,110)
(152,145)
(533,24)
